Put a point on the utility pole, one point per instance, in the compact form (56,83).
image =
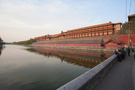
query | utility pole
(129,34)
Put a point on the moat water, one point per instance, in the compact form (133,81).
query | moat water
(26,68)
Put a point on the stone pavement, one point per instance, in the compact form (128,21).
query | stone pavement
(120,77)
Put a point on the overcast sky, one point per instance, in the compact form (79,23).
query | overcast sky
(25,19)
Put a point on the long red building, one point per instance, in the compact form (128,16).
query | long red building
(90,31)
(107,34)
(91,36)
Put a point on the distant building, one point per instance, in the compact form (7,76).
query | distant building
(107,34)
(90,36)
(85,32)
(131,23)
(131,17)
(128,31)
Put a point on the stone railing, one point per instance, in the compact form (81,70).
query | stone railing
(91,78)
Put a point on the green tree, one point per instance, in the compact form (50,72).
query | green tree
(25,42)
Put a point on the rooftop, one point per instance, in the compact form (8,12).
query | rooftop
(133,15)
(109,23)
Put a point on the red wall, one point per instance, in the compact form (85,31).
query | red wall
(124,39)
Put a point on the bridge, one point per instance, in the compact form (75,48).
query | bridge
(109,75)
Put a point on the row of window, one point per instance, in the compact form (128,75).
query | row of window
(90,34)
(103,33)
(89,30)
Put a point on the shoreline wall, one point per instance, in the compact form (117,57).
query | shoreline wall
(83,48)
(91,78)
(80,43)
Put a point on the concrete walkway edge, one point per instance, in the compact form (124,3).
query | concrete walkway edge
(133,70)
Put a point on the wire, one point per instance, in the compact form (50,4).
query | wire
(130,6)
(134,3)
(126,11)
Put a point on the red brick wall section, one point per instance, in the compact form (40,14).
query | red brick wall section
(124,39)
(133,40)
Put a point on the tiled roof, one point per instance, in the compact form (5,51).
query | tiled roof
(94,26)
(133,15)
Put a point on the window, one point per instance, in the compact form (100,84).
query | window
(97,34)
(101,33)
(105,33)
(93,34)
(110,33)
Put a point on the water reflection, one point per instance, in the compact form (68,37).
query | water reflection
(43,68)
(23,70)
(81,58)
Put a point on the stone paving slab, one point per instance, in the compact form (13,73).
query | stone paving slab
(119,77)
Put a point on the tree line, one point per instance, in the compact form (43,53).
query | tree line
(25,42)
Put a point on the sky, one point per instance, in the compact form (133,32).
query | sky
(24,19)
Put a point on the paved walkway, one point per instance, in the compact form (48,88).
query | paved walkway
(120,77)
